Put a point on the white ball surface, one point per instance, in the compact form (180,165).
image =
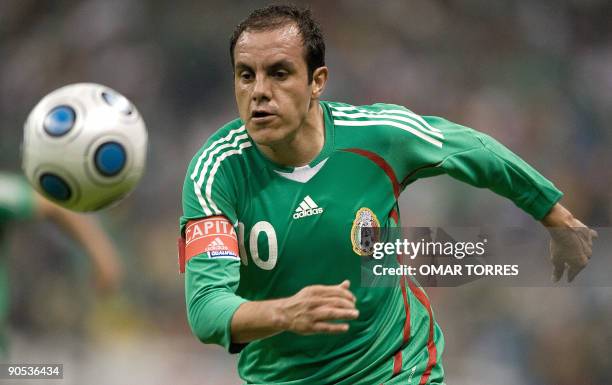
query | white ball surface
(84,146)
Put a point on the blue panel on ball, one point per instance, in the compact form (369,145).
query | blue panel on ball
(59,121)
(110,158)
(55,187)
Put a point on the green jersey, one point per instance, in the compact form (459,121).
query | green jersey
(16,199)
(296,227)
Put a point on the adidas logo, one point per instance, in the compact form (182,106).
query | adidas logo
(216,245)
(307,208)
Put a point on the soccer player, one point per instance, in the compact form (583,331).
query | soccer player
(19,202)
(273,200)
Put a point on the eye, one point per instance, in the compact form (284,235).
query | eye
(280,74)
(245,76)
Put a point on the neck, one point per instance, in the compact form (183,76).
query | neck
(301,148)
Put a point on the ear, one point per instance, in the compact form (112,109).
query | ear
(319,79)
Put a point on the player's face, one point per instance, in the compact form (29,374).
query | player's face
(271,84)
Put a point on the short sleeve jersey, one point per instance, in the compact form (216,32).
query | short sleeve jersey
(295,227)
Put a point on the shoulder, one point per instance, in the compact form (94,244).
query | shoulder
(342,109)
(231,139)
(385,120)
(209,187)
(378,114)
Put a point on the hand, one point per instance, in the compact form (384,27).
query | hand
(312,308)
(570,245)
(571,248)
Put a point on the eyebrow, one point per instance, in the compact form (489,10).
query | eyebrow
(283,63)
(242,66)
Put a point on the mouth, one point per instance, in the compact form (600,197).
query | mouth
(260,116)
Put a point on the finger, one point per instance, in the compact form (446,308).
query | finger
(594,234)
(332,291)
(573,271)
(336,291)
(333,302)
(328,327)
(558,269)
(329,314)
(345,285)
(341,303)
(588,250)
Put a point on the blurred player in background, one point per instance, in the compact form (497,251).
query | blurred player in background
(19,202)
(286,190)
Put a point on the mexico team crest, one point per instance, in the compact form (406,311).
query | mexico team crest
(365,232)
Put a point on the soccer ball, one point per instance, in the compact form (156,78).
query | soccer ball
(84,146)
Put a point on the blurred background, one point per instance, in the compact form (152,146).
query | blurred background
(535,75)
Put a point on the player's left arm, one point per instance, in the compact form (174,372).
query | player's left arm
(478,159)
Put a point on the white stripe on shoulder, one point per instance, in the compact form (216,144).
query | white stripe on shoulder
(388,116)
(218,149)
(198,193)
(404,127)
(390,111)
(206,202)
(211,146)
(214,169)
(343,108)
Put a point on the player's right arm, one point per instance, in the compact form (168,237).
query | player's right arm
(216,314)
(310,311)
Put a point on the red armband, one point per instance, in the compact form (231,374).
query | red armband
(213,235)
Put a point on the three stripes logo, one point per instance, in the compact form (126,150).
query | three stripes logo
(216,245)
(218,249)
(307,208)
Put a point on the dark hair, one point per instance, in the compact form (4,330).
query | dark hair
(276,16)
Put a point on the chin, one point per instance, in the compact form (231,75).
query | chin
(267,140)
(267,136)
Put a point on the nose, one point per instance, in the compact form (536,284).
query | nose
(261,89)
